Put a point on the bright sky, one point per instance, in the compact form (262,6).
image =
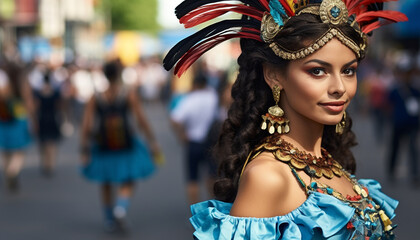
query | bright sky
(166,15)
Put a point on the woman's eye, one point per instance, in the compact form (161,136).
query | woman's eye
(350,71)
(317,72)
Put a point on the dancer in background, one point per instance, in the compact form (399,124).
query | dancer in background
(112,154)
(16,114)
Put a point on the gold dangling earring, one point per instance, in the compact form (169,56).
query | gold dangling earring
(274,118)
(339,127)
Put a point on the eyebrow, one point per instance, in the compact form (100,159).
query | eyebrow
(326,64)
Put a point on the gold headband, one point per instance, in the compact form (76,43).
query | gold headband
(333,13)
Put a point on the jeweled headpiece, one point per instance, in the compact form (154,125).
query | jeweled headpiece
(263,20)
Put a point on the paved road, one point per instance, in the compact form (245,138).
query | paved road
(66,207)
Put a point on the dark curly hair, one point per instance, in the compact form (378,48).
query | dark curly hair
(252,97)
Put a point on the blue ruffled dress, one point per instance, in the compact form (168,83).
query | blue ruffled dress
(120,166)
(321,216)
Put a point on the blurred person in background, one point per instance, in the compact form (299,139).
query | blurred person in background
(83,89)
(16,111)
(48,113)
(152,78)
(405,102)
(224,102)
(191,120)
(377,99)
(67,92)
(111,152)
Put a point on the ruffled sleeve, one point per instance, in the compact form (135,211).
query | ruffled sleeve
(319,216)
(386,203)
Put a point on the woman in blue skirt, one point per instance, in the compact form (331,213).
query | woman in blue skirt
(15,106)
(111,153)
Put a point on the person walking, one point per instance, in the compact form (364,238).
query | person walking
(112,154)
(48,108)
(191,120)
(16,114)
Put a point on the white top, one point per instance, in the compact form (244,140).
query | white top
(196,112)
(4,79)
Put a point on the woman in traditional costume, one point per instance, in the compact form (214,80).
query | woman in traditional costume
(285,161)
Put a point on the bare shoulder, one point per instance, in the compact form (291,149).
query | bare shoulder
(263,188)
(265,168)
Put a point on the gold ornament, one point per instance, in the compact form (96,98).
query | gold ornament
(269,28)
(331,12)
(339,127)
(385,220)
(314,166)
(274,120)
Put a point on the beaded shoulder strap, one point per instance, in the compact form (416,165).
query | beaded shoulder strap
(299,179)
(253,154)
(264,147)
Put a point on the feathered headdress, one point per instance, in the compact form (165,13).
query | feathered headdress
(262,20)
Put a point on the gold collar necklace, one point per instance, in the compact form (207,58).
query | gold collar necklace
(301,160)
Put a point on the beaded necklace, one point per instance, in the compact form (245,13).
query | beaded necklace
(313,166)
(366,210)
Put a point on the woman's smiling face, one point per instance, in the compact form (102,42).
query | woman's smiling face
(320,86)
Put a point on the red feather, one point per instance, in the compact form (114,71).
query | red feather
(368,2)
(198,50)
(208,12)
(359,6)
(372,26)
(251,30)
(393,16)
(351,4)
(265,4)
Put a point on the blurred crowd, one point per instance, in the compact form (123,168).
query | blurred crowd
(46,102)
(389,92)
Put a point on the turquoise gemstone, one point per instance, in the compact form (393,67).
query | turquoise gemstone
(335,11)
(329,191)
(314,185)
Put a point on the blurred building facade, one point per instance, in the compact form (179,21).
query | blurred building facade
(50,28)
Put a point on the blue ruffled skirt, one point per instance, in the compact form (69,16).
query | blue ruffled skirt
(120,166)
(14,135)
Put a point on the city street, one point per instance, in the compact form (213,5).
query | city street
(67,207)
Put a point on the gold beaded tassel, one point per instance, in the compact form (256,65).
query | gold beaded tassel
(385,220)
(274,120)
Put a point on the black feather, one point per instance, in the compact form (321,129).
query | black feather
(188,5)
(375,7)
(186,44)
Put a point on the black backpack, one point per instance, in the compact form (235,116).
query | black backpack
(113,133)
